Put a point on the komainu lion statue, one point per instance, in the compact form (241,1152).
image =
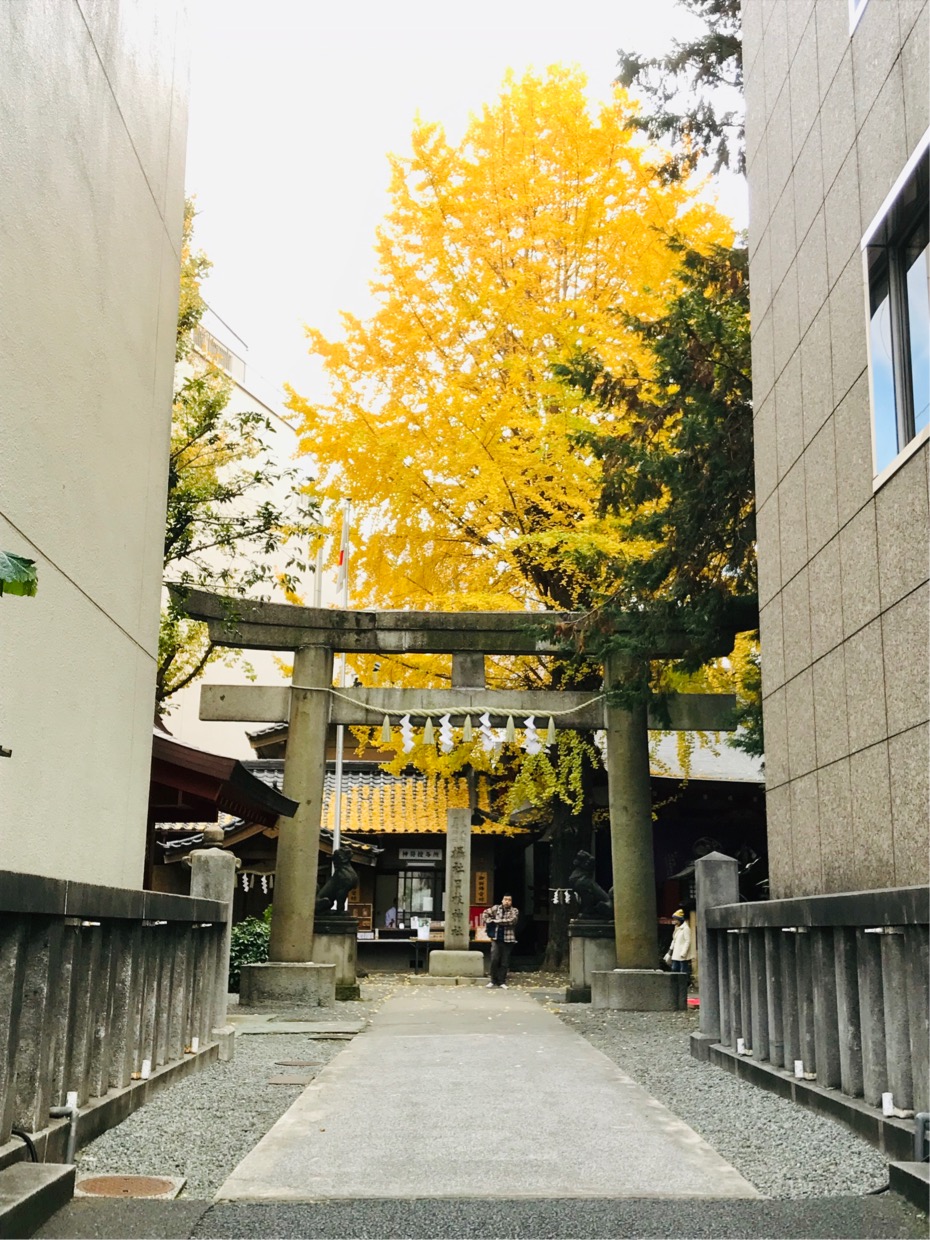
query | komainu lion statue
(593,899)
(342,880)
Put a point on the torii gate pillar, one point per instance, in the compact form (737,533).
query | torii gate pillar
(630,801)
(299,837)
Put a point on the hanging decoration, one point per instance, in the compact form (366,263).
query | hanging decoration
(531,741)
(468,731)
(550,732)
(510,731)
(488,739)
(386,731)
(446,739)
(428,736)
(406,734)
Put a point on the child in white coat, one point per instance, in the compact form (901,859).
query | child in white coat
(678,956)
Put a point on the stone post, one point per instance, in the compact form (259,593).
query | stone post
(458,874)
(455,960)
(871,1016)
(717,882)
(630,801)
(213,877)
(826,1015)
(758,995)
(773,996)
(299,837)
(897,1033)
(808,1047)
(917,948)
(847,1003)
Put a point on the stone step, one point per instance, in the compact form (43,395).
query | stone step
(912,1181)
(30,1193)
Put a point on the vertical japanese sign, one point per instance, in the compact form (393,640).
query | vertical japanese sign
(458,878)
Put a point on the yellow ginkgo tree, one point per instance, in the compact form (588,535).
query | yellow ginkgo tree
(501,257)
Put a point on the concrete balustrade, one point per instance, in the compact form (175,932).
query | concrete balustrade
(823,999)
(96,982)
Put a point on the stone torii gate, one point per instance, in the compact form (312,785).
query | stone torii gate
(310,705)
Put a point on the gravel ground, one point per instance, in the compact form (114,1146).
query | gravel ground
(785,1150)
(202,1127)
(205,1127)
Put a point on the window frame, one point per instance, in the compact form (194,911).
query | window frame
(898,223)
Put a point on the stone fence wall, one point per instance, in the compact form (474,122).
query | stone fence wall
(102,991)
(827,995)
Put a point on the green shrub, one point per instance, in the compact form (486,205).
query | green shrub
(248,945)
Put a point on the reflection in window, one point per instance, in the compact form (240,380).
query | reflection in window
(899,325)
(918,312)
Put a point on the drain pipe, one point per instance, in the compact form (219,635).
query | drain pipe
(69,1111)
(921,1135)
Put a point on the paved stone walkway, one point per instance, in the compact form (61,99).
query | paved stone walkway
(462,1112)
(466,1092)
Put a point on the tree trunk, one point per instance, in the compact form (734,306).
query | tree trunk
(562,851)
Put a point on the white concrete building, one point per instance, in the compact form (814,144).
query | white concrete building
(93,111)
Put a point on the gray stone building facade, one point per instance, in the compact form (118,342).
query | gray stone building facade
(837,130)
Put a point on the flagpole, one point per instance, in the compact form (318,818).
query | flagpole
(340,730)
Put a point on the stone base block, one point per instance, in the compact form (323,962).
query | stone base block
(299,983)
(640,990)
(335,941)
(344,993)
(701,1044)
(225,1038)
(456,964)
(591,948)
(911,1180)
(30,1193)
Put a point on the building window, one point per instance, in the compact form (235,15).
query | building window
(896,258)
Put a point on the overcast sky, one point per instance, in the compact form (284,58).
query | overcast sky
(295,105)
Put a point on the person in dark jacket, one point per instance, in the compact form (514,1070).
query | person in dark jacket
(500,921)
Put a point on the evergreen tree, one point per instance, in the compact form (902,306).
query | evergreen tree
(688,91)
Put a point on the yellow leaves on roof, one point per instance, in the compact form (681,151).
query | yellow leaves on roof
(405,805)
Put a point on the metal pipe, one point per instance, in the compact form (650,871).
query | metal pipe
(70,1111)
(921,1135)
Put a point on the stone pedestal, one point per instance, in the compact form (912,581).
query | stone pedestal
(291,983)
(591,948)
(335,942)
(640,990)
(456,964)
